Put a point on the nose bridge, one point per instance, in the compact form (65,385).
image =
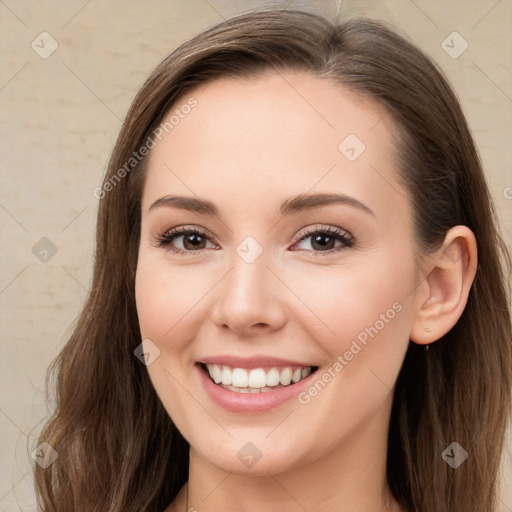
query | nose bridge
(247,296)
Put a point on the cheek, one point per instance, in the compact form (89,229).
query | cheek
(165,298)
(362,322)
(364,311)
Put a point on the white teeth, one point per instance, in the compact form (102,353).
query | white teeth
(249,390)
(286,376)
(216,373)
(227,375)
(296,375)
(273,377)
(256,380)
(240,378)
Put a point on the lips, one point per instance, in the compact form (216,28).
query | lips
(253,385)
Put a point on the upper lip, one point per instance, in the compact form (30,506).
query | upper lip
(251,362)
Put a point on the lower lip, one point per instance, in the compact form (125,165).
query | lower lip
(250,402)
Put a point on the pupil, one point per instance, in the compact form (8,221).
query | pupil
(194,239)
(318,240)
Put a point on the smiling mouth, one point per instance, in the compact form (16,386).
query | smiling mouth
(256,380)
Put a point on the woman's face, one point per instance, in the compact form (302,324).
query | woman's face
(294,259)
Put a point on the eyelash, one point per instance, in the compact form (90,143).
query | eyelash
(338,234)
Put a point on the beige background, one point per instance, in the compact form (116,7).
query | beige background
(59,120)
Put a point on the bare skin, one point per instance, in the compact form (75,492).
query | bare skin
(247,147)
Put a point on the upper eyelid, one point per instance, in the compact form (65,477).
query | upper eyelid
(183,230)
(306,230)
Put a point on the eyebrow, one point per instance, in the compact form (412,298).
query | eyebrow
(292,205)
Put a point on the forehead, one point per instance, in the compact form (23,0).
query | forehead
(275,136)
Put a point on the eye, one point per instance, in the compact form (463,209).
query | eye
(193,240)
(325,239)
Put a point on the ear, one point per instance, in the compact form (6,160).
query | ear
(444,292)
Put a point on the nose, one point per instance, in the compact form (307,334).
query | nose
(250,299)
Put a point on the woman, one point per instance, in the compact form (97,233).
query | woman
(298,300)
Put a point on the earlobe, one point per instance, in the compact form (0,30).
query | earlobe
(451,272)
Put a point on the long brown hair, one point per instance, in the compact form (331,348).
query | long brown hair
(119,450)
